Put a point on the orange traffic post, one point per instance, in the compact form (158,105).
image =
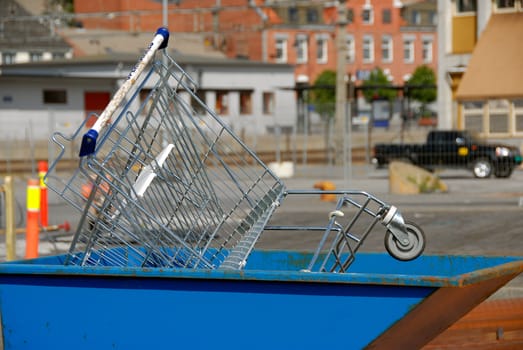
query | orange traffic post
(33,213)
(44,211)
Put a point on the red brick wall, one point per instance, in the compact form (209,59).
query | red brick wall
(240,31)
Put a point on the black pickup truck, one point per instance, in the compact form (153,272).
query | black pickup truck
(453,149)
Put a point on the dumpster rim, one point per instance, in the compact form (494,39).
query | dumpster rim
(513,265)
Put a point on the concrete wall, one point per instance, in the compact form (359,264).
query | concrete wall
(23,113)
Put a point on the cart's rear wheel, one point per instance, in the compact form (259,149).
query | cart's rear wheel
(409,251)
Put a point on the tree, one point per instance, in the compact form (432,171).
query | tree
(380,82)
(376,87)
(422,86)
(323,98)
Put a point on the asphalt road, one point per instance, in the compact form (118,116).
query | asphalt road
(476,216)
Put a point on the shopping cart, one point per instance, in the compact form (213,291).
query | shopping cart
(353,218)
(160,185)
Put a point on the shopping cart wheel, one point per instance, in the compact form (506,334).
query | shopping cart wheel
(410,251)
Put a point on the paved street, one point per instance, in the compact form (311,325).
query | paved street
(479,217)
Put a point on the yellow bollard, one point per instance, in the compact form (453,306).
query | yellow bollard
(326,186)
(10,232)
(33,213)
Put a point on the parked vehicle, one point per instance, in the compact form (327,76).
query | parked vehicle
(455,149)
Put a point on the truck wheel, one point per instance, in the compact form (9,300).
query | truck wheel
(503,172)
(410,251)
(482,168)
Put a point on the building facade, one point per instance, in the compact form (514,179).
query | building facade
(28,38)
(40,98)
(480,72)
(396,36)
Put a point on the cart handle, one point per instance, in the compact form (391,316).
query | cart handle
(89,139)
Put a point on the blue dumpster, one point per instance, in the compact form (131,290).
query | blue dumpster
(271,304)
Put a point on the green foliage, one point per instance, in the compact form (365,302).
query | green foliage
(423,76)
(322,97)
(379,79)
(66,5)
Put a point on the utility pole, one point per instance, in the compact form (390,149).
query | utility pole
(341,87)
(216,23)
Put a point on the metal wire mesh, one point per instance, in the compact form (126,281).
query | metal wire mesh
(166,187)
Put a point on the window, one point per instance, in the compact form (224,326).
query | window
(433,18)
(427,50)
(35,56)
(222,102)
(268,103)
(55,96)
(503,4)
(246,102)
(368,49)
(408,50)
(351,48)
(367,16)
(8,58)
(518,114)
(415,17)
(196,105)
(281,50)
(498,116)
(312,15)
(145,102)
(58,55)
(321,49)
(350,15)
(508,6)
(386,16)
(302,50)
(466,6)
(473,116)
(386,48)
(293,14)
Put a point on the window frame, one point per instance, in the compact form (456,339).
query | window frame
(516,6)
(408,44)
(368,44)
(312,15)
(293,14)
(268,103)
(54,96)
(386,16)
(370,19)
(36,56)
(8,57)
(415,17)
(221,102)
(427,58)
(460,10)
(245,102)
(323,49)
(281,44)
(197,104)
(387,44)
(302,48)
(350,44)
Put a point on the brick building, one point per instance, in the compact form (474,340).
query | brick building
(396,36)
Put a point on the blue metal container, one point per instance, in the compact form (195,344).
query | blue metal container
(271,304)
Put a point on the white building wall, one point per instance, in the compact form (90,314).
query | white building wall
(23,114)
(260,81)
